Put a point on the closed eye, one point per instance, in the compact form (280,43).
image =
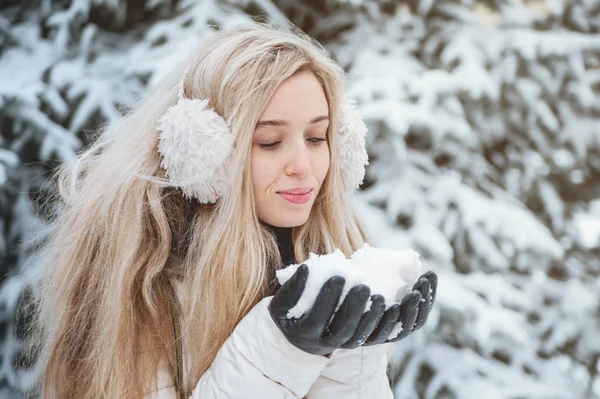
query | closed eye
(316,140)
(270,145)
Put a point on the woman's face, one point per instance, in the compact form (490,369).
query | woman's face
(290,154)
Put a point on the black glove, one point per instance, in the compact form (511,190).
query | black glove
(312,332)
(412,312)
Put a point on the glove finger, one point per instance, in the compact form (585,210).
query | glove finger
(317,319)
(289,293)
(385,326)
(433,281)
(424,304)
(409,309)
(347,318)
(368,323)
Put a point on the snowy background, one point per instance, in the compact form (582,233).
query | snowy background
(484,141)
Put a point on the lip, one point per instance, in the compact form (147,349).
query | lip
(296,191)
(302,197)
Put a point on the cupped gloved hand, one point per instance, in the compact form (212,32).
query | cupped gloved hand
(320,330)
(412,312)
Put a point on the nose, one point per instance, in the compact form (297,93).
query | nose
(298,163)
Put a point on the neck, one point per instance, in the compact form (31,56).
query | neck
(283,235)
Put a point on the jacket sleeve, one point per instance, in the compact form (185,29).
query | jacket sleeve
(359,373)
(255,361)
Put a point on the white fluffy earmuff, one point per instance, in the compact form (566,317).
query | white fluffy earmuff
(352,151)
(196,143)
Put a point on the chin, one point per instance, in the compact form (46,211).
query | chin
(290,220)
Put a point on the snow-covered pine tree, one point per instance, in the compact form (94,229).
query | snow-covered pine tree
(66,68)
(484,147)
(483,156)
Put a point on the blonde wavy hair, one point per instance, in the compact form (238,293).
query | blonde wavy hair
(101,314)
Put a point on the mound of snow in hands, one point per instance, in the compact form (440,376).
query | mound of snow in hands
(390,273)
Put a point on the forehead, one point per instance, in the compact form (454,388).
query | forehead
(299,98)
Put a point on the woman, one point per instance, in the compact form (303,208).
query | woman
(161,266)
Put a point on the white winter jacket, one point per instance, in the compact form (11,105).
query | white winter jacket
(257,361)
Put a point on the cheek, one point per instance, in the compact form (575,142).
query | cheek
(261,171)
(321,165)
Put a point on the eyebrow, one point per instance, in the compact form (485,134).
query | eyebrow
(279,122)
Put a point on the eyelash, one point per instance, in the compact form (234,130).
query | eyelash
(317,141)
